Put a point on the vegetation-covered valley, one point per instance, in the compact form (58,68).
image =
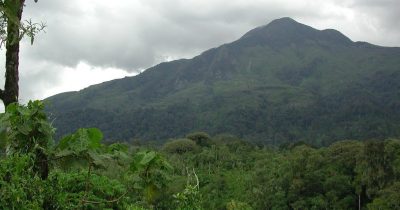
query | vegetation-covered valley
(195,172)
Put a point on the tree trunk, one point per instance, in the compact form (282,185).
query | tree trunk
(11,88)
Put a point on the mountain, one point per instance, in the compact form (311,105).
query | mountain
(278,83)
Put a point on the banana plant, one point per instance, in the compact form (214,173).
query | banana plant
(150,174)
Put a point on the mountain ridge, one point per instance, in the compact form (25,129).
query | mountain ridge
(268,72)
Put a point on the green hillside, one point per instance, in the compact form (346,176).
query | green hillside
(278,83)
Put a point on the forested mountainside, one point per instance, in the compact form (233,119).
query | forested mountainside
(278,83)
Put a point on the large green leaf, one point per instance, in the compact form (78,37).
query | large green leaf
(99,159)
(81,142)
(94,137)
(24,129)
(148,157)
(64,142)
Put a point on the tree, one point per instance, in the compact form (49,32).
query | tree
(201,138)
(28,132)
(150,174)
(388,198)
(12,30)
(180,146)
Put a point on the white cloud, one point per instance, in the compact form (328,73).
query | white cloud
(41,82)
(83,75)
(92,41)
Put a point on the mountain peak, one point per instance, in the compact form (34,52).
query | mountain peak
(284,31)
(284,20)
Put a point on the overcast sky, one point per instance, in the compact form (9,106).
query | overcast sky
(91,41)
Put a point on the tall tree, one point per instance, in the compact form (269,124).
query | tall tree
(11,32)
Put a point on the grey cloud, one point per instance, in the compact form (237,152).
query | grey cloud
(33,81)
(145,32)
(387,12)
(133,35)
(141,33)
(383,15)
(94,36)
(35,76)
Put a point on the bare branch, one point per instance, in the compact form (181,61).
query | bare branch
(197,179)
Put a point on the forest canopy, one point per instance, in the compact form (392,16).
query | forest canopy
(80,171)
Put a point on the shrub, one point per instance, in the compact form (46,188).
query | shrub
(180,146)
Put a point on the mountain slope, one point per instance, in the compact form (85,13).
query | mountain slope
(281,82)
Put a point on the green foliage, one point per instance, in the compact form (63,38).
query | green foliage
(8,14)
(180,146)
(387,198)
(82,146)
(27,131)
(190,197)
(201,138)
(19,188)
(230,173)
(373,168)
(149,174)
(80,191)
(302,177)
(27,138)
(29,151)
(27,128)
(81,141)
(235,205)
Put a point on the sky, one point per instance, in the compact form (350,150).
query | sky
(91,41)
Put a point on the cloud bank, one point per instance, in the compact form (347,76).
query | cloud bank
(91,41)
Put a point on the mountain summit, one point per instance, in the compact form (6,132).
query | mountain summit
(278,83)
(286,31)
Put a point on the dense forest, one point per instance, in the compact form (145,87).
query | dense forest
(195,172)
(282,82)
